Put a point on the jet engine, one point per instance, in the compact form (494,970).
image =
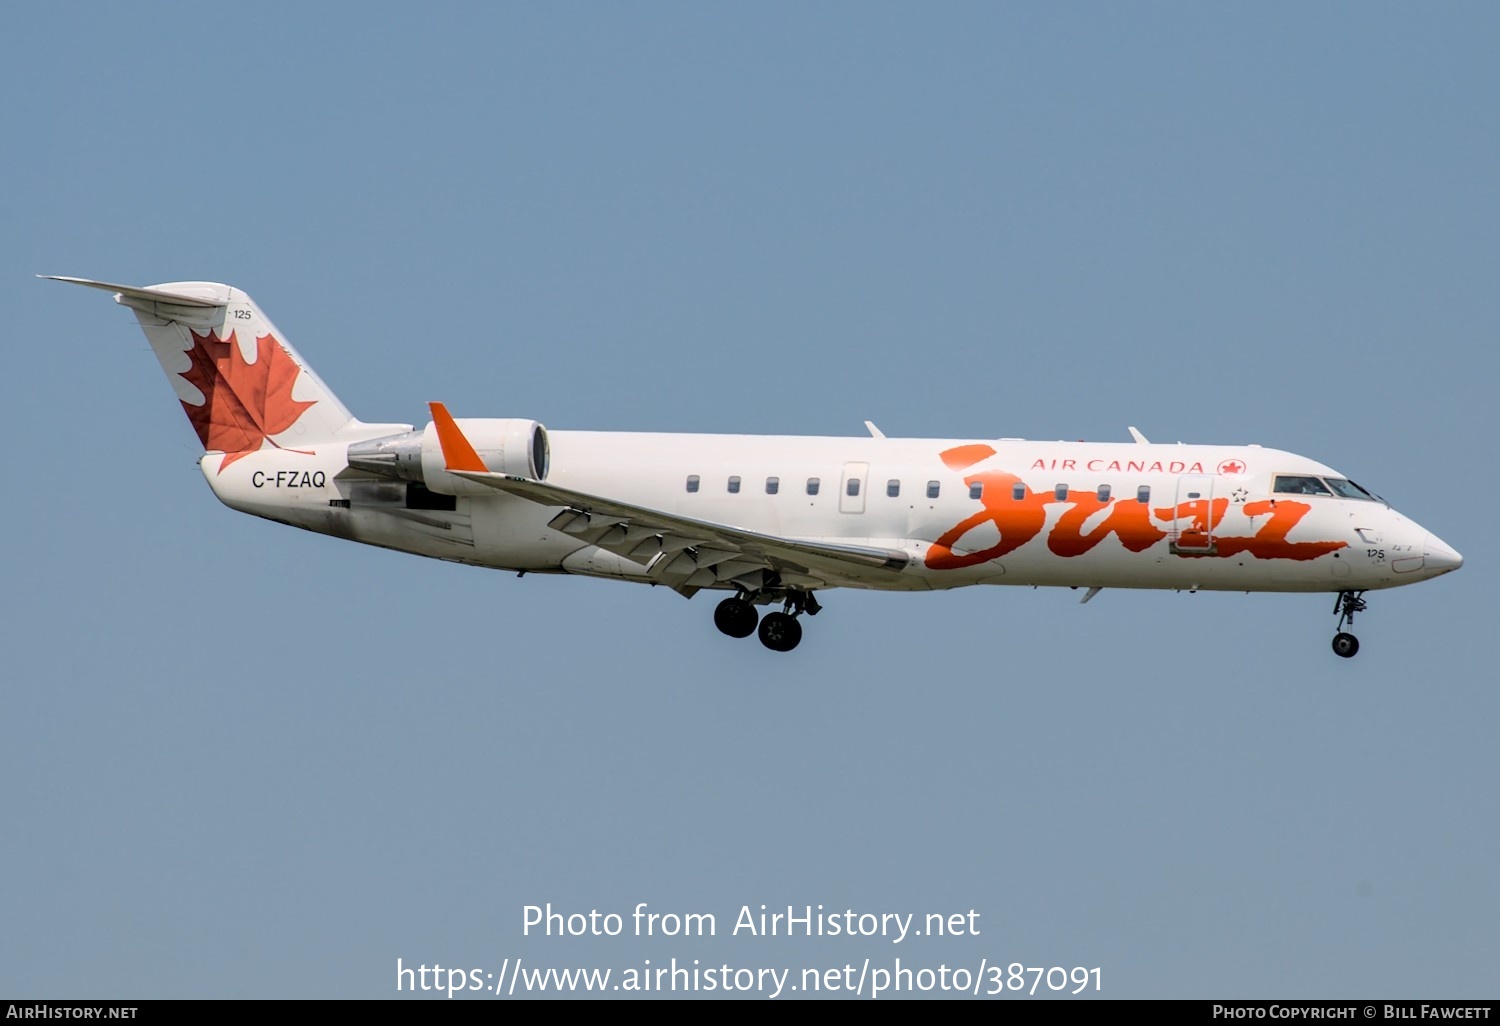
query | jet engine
(510,446)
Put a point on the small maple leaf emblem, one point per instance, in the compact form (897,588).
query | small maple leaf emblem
(243,403)
(1231,467)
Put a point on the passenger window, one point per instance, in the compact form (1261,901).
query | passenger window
(893,488)
(976,490)
(812,486)
(932,489)
(1300,484)
(1060,493)
(1103,493)
(773,485)
(1143,494)
(692,482)
(1018,491)
(852,488)
(734,486)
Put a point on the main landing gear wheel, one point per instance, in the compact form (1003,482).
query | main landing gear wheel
(1346,605)
(780,632)
(736,617)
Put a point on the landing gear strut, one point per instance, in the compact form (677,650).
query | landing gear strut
(779,631)
(1346,605)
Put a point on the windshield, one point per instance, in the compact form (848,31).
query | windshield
(1348,489)
(1307,484)
(1300,484)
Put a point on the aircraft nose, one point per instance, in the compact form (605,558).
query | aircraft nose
(1438,558)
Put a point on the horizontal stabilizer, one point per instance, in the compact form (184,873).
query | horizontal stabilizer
(135,292)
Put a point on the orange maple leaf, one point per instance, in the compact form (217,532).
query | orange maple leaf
(243,403)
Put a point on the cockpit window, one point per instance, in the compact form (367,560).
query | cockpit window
(1297,484)
(1347,489)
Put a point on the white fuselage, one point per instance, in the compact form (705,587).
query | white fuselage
(771,519)
(1076,514)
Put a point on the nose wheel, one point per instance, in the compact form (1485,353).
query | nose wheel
(1346,605)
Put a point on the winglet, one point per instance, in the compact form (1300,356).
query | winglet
(875,432)
(458,454)
(1140,439)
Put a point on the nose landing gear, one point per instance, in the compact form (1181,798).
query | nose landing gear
(780,631)
(1346,605)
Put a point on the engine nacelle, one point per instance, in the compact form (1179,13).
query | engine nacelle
(515,447)
(509,446)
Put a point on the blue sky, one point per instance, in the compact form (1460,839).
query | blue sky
(243,761)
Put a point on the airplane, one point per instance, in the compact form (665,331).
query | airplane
(771,520)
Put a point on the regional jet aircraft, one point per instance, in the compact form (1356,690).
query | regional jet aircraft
(769,520)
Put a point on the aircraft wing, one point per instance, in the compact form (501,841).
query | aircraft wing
(682,552)
(675,548)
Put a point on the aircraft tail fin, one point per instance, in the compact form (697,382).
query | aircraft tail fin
(240,382)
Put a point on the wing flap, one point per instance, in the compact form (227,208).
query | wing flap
(666,533)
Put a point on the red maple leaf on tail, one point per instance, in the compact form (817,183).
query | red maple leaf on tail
(243,403)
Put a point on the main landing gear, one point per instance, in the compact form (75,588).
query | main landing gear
(779,631)
(1346,605)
